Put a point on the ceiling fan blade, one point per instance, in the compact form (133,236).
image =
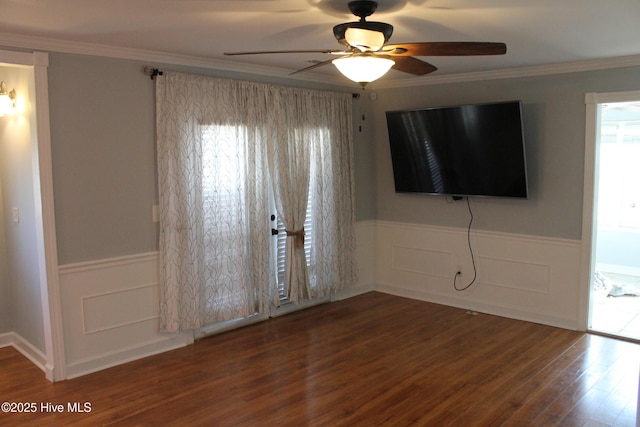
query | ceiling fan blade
(445,49)
(328,51)
(411,65)
(311,67)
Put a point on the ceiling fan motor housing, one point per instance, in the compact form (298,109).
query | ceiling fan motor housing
(381,27)
(362,9)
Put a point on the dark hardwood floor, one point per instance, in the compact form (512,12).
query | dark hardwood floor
(372,360)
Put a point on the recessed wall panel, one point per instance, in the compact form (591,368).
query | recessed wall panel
(116,309)
(515,274)
(422,261)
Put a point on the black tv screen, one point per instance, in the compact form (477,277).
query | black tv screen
(467,150)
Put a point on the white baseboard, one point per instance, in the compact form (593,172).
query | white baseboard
(6,339)
(14,340)
(480,307)
(123,355)
(353,292)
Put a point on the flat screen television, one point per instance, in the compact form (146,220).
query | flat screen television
(464,150)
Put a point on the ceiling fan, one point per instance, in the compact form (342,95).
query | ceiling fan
(368,58)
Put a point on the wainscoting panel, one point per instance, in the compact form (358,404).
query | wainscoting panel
(531,277)
(110,307)
(421,261)
(133,305)
(110,313)
(522,277)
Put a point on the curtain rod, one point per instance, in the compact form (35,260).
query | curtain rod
(153,72)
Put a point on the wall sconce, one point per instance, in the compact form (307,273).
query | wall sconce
(7,100)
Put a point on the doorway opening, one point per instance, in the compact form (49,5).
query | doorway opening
(31,278)
(614,307)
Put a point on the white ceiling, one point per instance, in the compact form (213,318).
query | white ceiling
(537,32)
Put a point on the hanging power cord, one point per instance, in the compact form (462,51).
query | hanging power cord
(473,260)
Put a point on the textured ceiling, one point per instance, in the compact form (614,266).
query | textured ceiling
(538,32)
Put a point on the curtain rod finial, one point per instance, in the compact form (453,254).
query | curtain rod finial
(153,72)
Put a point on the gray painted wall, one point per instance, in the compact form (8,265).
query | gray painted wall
(554,127)
(102,124)
(365,159)
(102,129)
(23,303)
(104,159)
(102,138)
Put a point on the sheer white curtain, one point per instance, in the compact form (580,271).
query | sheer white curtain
(333,217)
(221,145)
(290,150)
(310,145)
(214,201)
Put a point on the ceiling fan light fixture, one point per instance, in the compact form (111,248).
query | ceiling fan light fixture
(363,39)
(367,57)
(363,69)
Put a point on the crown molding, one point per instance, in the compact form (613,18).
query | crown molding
(142,55)
(66,46)
(508,73)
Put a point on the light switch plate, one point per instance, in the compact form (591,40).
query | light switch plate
(155,213)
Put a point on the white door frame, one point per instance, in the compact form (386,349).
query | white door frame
(55,368)
(589,202)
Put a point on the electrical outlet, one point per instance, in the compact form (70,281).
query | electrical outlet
(459,270)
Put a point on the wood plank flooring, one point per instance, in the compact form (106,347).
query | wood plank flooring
(372,360)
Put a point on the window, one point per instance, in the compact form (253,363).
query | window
(223,188)
(618,193)
(224,181)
